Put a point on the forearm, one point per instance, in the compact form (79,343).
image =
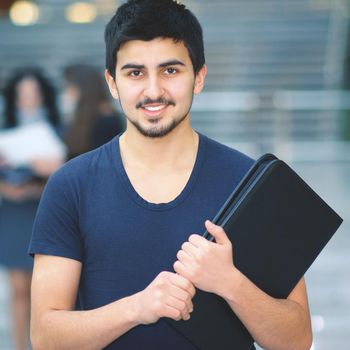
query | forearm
(85,330)
(279,324)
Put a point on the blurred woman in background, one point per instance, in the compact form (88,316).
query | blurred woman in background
(28,98)
(93,119)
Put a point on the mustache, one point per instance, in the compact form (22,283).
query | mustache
(160,100)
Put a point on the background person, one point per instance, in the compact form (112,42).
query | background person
(29,98)
(92,119)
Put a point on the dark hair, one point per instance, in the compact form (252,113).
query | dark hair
(46,89)
(94,100)
(150,19)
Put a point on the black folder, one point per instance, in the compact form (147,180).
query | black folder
(278,226)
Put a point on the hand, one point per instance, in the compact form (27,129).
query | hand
(208,265)
(168,295)
(20,193)
(45,167)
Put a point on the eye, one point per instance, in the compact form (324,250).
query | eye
(135,73)
(170,71)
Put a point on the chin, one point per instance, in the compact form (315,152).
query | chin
(155,133)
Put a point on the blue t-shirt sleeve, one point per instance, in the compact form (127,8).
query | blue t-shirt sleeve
(56,226)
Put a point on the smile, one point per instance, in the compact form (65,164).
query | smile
(154,108)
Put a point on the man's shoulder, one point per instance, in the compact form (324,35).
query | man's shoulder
(85,166)
(99,157)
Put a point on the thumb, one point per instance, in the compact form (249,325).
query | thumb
(217,232)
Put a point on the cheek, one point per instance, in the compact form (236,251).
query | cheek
(181,89)
(129,94)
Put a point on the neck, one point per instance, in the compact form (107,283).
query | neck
(178,148)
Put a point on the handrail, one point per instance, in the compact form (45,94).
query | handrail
(312,100)
(229,101)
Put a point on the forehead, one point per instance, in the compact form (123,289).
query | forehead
(153,52)
(27,84)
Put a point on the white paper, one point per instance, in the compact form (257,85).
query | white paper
(23,144)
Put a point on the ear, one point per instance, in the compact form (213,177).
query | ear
(111,85)
(200,80)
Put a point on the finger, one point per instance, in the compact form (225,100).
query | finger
(183,297)
(181,282)
(185,303)
(187,273)
(182,294)
(172,312)
(179,293)
(217,232)
(198,241)
(189,305)
(189,248)
(184,257)
(180,269)
(183,307)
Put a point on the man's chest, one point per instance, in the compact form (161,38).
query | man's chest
(159,187)
(126,247)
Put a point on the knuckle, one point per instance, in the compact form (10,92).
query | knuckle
(158,295)
(222,231)
(158,283)
(200,255)
(188,302)
(187,285)
(177,314)
(186,316)
(192,273)
(206,249)
(193,237)
(157,308)
(176,266)
(182,305)
(163,274)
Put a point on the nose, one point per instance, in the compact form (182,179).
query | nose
(153,88)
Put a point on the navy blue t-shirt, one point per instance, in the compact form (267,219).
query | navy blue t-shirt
(90,212)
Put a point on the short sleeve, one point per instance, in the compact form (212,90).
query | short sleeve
(56,226)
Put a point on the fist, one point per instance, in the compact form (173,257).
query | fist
(208,265)
(168,295)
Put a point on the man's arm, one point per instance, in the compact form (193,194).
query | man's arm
(273,323)
(281,324)
(55,325)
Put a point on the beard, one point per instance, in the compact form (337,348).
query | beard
(156,131)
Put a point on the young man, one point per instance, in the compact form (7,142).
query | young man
(116,225)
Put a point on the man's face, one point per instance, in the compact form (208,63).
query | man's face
(155,83)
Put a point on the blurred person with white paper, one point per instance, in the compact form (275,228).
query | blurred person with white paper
(30,150)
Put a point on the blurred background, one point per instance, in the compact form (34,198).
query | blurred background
(278,79)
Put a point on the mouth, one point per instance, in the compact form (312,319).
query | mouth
(154,110)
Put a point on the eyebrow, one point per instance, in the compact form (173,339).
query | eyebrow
(171,63)
(161,65)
